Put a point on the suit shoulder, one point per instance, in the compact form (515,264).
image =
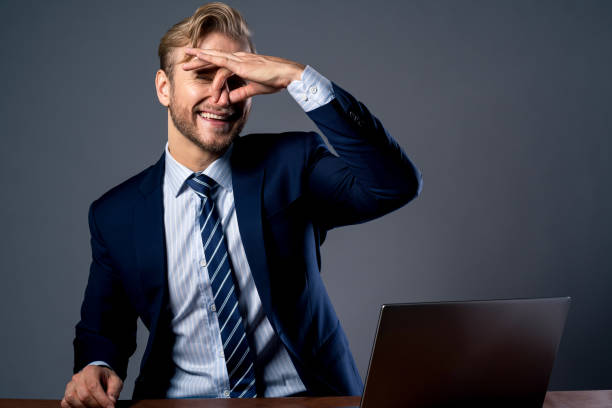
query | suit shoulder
(272,144)
(124,194)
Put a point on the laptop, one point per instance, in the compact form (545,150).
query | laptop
(494,353)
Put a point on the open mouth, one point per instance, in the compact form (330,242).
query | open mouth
(217,117)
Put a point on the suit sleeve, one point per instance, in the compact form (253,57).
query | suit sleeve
(107,329)
(371,176)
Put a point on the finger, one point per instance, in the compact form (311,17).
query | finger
(196,64)
(242,93)
(249,90)
(191,51)
(219,81)
(216,53)
(114,385)
(219,60)
(97,392)
(71,398)
(73,402)
(84,396)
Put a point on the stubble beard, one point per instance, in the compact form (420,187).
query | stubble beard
(182,119)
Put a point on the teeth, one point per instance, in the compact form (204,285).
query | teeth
(208,115)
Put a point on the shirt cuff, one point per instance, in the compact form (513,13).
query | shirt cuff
(100,363)
(312,91)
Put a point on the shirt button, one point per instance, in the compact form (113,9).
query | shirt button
(226,393)
(305,99)
(213,308)
(203,262)
(313,90)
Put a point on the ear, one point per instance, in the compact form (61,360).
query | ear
(162,86)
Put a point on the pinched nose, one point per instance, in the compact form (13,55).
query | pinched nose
(224,99)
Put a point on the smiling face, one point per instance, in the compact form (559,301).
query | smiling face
(194,115)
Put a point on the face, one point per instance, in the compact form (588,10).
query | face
(212,126)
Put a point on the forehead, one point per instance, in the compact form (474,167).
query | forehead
(219,41)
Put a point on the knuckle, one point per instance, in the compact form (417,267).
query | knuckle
(87,399)
(70,396)
(81,394)
(90,385)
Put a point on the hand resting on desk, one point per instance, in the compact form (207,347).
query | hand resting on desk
(93,386)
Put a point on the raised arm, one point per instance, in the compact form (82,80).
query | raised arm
(372,175)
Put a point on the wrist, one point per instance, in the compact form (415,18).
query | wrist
(295,73)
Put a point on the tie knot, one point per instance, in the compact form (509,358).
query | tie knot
(201,184)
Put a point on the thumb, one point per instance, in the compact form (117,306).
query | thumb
(113,386)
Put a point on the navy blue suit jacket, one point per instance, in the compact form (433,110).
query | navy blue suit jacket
(289,190)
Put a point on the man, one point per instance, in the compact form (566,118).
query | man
(216,246)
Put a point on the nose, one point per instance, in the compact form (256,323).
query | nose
(224,95)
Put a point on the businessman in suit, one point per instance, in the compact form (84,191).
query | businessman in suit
(216,246)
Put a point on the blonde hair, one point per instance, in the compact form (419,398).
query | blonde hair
(211,17)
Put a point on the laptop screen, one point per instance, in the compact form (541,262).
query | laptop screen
(476,353)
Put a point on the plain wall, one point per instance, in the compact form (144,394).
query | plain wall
(505,106)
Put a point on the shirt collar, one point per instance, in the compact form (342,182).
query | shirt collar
(176,174)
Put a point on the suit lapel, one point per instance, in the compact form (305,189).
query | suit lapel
(149,239)
(247,181)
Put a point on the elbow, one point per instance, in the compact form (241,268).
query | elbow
(403,192)
(418,184)
(413,187)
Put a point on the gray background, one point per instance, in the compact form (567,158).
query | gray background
(505,106)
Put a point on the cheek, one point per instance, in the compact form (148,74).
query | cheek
(191,93)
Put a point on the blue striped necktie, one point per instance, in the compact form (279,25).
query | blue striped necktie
(238,356)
